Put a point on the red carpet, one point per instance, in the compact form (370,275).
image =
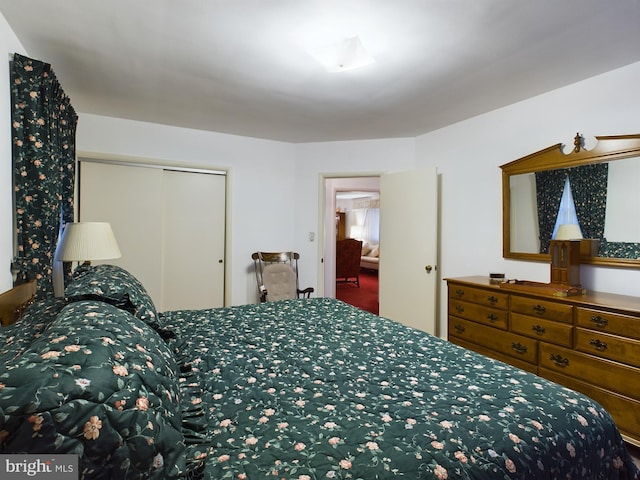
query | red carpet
(365,297)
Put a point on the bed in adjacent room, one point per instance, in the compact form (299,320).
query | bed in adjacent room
(297,389)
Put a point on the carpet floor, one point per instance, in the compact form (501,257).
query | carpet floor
(365,297)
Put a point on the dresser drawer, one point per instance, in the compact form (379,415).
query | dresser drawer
(601,372)
(479,313)
(546,330)
(517,346)
(480,296)
(487,352)
(607,322)
(608,346)
(542,309)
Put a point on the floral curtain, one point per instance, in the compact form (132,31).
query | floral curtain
(43,133)
(549,188)
(589,189)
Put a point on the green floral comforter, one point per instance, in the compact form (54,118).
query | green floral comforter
(316,389)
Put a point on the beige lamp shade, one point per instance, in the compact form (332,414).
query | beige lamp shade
(86,241)
(568,231)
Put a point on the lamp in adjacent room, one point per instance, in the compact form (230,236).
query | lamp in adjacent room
(84,242)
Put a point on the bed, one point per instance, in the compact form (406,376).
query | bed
(297,389)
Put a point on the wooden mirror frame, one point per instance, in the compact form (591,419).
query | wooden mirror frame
(608,148)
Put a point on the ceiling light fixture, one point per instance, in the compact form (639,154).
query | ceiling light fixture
(344,55)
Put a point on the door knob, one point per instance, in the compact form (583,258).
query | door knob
(428,268)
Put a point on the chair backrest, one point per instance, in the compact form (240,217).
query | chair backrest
(280,282)
(276,275)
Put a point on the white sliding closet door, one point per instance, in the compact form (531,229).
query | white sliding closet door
(129,198)
(193,252)
(169,225)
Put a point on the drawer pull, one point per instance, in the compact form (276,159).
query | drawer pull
(598,344)
(459,292)
(459,308)
(519,348)
(492,317)
(599,321)
(459,328)
(492,300)
(559,360)
(538,329)
(539,309)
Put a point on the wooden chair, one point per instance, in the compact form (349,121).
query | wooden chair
(348,253)
(277,276)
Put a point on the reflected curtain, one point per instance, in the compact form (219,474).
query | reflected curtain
(549,188)
(589,188)
(43,137)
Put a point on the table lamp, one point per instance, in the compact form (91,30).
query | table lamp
(84,242)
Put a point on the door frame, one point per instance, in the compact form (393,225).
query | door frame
(330,184)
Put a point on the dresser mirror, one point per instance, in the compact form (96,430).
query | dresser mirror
(607,186)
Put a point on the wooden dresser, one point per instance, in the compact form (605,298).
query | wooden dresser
(589,343)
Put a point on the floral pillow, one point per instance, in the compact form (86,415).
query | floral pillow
(114,285)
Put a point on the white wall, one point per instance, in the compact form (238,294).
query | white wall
(468,156)
(260,182)
(8,44)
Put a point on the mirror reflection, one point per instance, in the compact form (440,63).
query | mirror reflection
(592,198)
(621,207)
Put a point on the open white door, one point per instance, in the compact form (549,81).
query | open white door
(408,247)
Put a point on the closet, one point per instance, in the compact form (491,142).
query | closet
(169,223)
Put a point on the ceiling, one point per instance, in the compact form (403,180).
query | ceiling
(242,66)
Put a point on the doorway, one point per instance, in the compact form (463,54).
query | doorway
(358,218)
(333,186)
(408,238)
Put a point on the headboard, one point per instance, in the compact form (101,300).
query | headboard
(14,301)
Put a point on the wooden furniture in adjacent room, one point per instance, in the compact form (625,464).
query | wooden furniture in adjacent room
(341,226)
(589,343)
(348,252)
